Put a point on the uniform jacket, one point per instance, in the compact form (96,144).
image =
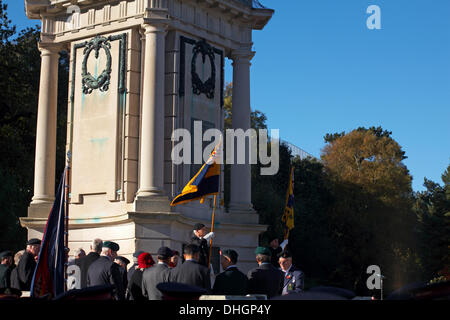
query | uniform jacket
(204,250)
(104,271)
(15,283)
(231,282)
(152,276)
(266,279)
(84,264)
(294,281)
(123,274)
(192,273)
(5,276)
(25,271)
(274,257)
(134,290)
(131,270)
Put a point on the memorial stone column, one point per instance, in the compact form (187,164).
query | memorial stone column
(45,157)
(240,195)
(151,177)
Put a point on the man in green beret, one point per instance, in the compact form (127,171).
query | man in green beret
(231,281)
(6,258)
(104,271)
(265,279)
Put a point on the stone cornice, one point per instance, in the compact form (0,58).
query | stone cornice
(141,218)
(256,18)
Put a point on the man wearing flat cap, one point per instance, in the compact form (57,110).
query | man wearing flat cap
(159,273)
(104,271)
(265,279)
(200,238)
(27,264)
(6,258)
(231,281)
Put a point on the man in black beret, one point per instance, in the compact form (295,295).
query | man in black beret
(231,281)
(104,271)
(85,262)
(200,238)
(265,279)
(27,264)
(180,291)
(6,258)
(159,273)
(123,263)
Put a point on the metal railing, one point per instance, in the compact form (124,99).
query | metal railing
(252,4)
(296,151)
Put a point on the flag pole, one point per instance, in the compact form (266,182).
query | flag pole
(66,217)
(212,230)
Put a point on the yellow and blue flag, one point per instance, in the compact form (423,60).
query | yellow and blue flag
(204,183)
(288,216)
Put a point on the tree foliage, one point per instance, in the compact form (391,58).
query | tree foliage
(19,90)
(432,207)
(371,216)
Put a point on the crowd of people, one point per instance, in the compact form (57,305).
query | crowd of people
(274,276)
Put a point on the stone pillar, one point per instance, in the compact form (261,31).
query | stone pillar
(240,195)
(45,157)
(151,177)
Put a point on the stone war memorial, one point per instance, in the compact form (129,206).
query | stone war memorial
(140,69)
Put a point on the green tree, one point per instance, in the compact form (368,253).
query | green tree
(19,88)
(371,216)
(311,242)
(433,212)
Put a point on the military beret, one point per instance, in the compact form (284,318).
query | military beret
(112,245)
(10,292)
(263,251)
(123,259)
(198,226)
(33,241)
(180,291)
(137,253)
(273,237)
(165,252)
(233,255)
(5,254)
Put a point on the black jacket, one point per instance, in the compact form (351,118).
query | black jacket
(84,264)
(265,279)
(131,270)
(274,257)
(192,273)
(159,273)
(204,250)
(231,282)
(24,273)
(134,290)
(104,271)
(5,276)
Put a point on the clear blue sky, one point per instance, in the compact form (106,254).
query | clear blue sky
(318,70)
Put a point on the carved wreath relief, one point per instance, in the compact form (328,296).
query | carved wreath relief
(89,82)
(198,86)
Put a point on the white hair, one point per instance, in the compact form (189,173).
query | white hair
(106,251)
